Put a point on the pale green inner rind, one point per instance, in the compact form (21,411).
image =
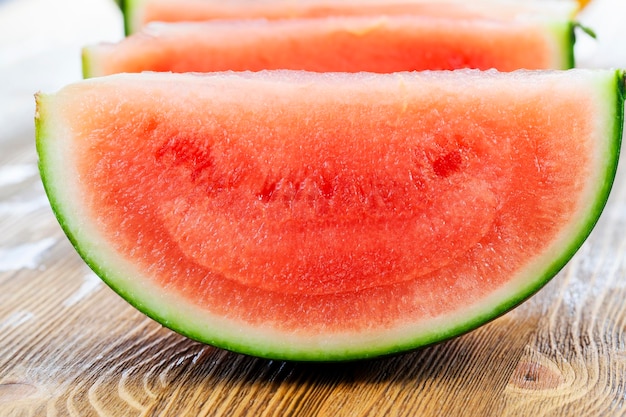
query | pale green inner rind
(191,321)
(566,45)
(88,64)
(132,10)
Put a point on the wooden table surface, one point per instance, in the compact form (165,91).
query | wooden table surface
(70,346)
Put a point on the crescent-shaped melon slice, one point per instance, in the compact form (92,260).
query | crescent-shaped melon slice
(329,216)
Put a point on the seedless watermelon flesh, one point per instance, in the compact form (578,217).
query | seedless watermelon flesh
(353,43)
(329,216)
(138,13)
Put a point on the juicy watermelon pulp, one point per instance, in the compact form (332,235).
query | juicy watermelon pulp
(329,216)
(138,13)
(352,44)
(330,36)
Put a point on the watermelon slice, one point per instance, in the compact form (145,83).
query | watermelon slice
(353,43)
(139,12)
(329,216)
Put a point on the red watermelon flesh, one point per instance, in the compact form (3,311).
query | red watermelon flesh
(362,43)
(139,12)
(327,216)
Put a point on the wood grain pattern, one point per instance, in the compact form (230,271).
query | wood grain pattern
(70,346)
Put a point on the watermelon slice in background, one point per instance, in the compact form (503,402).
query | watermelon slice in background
(351,43)
(330,216)
(139,12)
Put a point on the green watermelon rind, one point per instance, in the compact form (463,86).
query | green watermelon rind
(181,319)
(567,44)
